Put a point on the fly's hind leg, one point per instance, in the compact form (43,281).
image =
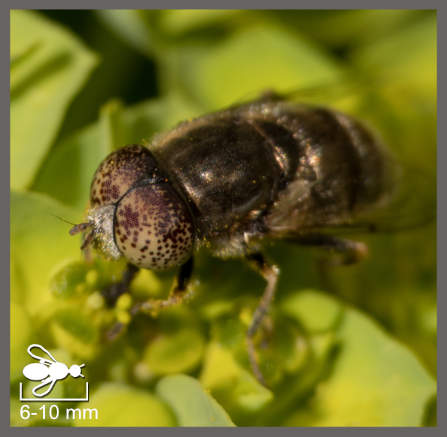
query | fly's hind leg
(270,273)
(179,293)
(350,251)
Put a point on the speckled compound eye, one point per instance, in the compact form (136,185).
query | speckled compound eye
(118,172)
(153,227)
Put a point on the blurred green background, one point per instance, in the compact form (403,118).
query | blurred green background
(354,348)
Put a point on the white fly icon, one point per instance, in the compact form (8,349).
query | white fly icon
(48,371)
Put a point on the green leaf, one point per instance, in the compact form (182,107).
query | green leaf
(253,59)
(40,243)
(20,336)
(67,173)
(130,26)
(180,21)
(113,133)
(175,353)
(73,331)
(190,403)
(375,380)
(405,107)
(122,405)
(69,279)
(50,66)
(407,56)
(230,382)
(316,314)
(347,28)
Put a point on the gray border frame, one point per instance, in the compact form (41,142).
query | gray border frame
(201,4)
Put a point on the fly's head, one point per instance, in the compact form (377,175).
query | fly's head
(136,213)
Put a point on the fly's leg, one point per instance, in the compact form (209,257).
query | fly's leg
(270,273)
(267,331)
(114,291)
(351,251)
(177,295)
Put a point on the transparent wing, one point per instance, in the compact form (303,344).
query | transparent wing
(411,205)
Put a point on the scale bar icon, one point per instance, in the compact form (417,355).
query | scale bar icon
(22,399)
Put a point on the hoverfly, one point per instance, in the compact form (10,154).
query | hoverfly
(232,180)
(48,371)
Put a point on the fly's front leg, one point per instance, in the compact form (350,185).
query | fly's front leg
(177,295)
(270,273)
(114,291)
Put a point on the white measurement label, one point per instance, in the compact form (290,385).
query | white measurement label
(53,412)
